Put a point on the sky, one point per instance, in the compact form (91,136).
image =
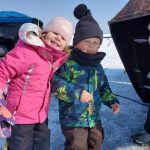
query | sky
(102,10)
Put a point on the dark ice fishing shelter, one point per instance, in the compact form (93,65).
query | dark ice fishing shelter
(129,30)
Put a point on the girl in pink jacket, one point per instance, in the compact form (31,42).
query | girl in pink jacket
(30,67)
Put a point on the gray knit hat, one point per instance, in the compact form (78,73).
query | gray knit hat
(87,27)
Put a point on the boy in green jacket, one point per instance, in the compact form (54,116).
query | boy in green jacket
(81,86)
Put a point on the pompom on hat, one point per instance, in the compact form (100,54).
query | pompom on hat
(87,27)
(61,26)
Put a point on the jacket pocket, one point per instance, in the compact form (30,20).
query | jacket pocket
(13,101)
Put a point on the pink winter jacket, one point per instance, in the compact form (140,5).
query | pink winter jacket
(29,88)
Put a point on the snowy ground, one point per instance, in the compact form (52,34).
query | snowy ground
(120,127)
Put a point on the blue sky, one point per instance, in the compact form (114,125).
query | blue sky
(102,10)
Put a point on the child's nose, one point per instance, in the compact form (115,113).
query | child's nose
(58,37)
(91,45)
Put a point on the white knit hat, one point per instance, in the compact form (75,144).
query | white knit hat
(61,26)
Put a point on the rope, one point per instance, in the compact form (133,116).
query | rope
(133,100)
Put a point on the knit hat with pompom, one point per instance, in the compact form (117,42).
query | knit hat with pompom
(87,27)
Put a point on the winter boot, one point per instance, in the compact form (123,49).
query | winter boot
(142,138)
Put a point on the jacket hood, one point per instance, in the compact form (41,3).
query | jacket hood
(30,34)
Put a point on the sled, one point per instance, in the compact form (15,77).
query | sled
(129,30)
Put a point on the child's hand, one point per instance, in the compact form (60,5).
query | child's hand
(5,112)
(86,97)
(115,108)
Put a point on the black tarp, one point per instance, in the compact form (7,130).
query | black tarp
(129,30)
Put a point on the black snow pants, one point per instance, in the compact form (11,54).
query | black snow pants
(29,137)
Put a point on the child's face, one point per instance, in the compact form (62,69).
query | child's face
(55,40)
(90,45)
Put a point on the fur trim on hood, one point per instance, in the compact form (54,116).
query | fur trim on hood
(30,34)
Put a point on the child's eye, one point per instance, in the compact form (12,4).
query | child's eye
(63,38)
(60,35)
(96,43)
(86,41)
(55,33)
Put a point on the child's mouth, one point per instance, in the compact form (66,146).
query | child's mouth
(55,43)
